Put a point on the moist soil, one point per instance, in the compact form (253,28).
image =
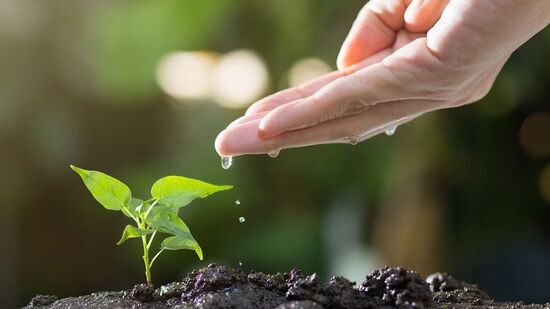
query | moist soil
(223,287)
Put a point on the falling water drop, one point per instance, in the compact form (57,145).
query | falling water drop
(226,162)
(237,202)
(242,219)
(240,263)
(274,153)
(391,130)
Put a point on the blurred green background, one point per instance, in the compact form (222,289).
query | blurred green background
(139,89)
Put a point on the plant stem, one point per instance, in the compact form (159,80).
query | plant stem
(155,257)
(151,241)
(127,212)
(149,210)
(146,245)
(146,259)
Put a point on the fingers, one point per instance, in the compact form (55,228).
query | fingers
(345,96)
(421,15)
(247,118)
(244,139)
(373,30)
(309,88)
(292,94)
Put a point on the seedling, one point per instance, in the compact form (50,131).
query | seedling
(159,214)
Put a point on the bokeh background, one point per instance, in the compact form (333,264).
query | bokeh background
(140,89)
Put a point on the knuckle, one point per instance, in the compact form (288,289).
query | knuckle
(354,107)
(319,116)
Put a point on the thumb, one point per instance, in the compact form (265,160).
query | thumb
(373,30)
(421,15)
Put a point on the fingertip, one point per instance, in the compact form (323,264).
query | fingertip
(240,139)
(411,14)
(265,129)
(279,120)
(341,59)
(421,15)
(341,62)
(219,143)
(251,110)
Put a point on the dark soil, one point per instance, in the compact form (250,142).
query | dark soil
(223,287)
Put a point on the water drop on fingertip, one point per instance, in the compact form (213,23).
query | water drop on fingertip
(242,219)
(226,162)
(353,140)
(274,153)
(391,130)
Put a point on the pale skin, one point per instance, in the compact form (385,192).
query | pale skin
(401,59)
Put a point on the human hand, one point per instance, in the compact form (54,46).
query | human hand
(401,59)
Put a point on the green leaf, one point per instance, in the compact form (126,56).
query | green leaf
(177,191)
(179,243)
(108,191)
(132,232)
(168,222)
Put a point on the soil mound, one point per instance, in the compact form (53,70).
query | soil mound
(223,287)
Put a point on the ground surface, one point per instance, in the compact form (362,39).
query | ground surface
(223,287)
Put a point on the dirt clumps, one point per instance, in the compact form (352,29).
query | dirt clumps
(218,286)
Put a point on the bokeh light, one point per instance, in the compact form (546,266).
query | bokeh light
(534,135)
(307,69)
(186,75)
(240,78)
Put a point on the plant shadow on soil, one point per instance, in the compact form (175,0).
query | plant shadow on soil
(223,287)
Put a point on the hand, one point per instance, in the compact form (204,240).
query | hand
(401,59)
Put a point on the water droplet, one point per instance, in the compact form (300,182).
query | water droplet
(237,202)
(226,162)
(240,263)
(391,130)
(353,140)
(242,219)
(274,153)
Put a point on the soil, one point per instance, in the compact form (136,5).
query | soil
(223,287)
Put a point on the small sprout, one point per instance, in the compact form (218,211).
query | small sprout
(159,214)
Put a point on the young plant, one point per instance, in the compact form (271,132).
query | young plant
(159,214)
